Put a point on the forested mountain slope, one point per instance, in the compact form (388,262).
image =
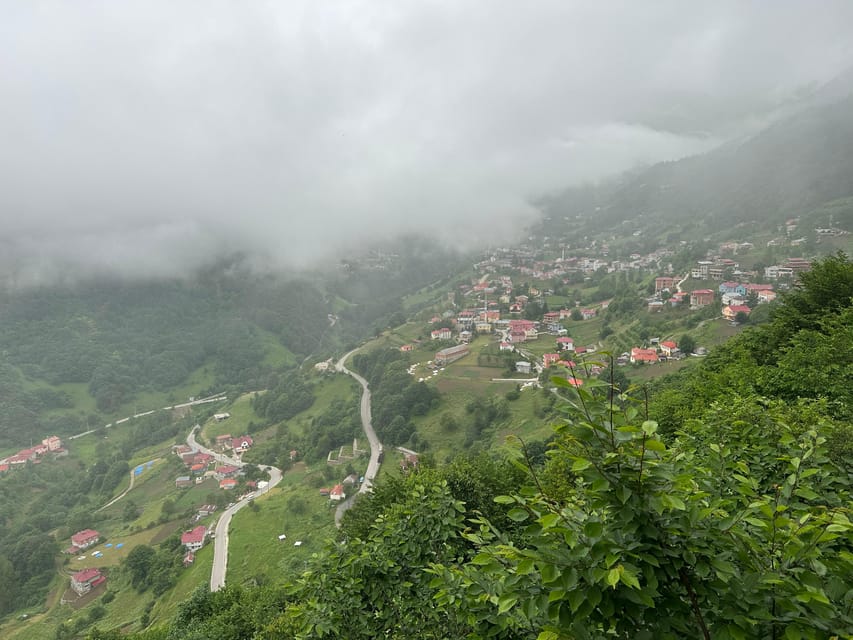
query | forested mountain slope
(794,165)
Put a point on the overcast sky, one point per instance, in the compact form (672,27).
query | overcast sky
(147,137)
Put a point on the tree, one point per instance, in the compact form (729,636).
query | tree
(687,343)
(139,563)
(576,314)
(731,531)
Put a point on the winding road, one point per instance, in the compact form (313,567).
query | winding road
(220,541)
(367,425)
(132,478)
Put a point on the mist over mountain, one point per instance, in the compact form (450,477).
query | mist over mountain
(152,139)
(796,164)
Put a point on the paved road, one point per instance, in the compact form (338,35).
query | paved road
(367,425)
(220,542)
(132,478)
(215,398)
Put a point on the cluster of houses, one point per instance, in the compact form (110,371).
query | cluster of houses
(238,445)
(51,445)
(202,465)
(659,351)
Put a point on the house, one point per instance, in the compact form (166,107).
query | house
(465,337)
(565,314)
(644,355)
(483,327)
(588,314)
(506,346)
(732,310)
(733,287)
(183,481)
(227,483)
(53,443)
(451,354)
(182,450)
(243,443)
(678,298)
(409,461)
(522,367)
(551,316)
(442,334)
(766,296)
(668,348)
(85,539)
(758,288)
(198,469)
(226,471)
(516,336)
(732,298)
(337,493)
(206,510)
(665,283)
(224,441)
(219,417)
(406,348)
(564,343)
(84,581)
(322,366)
(701,298)
(550,358)
(653,306)
(194,540)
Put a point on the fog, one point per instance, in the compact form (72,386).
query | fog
(148,138)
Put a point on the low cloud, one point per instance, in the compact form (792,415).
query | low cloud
(152,138)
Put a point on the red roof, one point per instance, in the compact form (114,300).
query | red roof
(669,344)
(195,536)
(337,490)
(739,308)
(226,483)
(228,468)
(82,537)
(86,575)
(703,291)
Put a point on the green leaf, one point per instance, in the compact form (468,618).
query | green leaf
(580,464)
(517,515)
(547,635)
(593,529)
(613,577)
(505,603)
(504,499)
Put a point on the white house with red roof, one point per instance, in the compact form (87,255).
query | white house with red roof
(84,581)
(227,483)
(243,443)
(443,333)
(194,540)
(85,539)
(565,343)
(668,347)
(589,314)
(337,493)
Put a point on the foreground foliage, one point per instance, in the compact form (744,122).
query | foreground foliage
(733,522)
